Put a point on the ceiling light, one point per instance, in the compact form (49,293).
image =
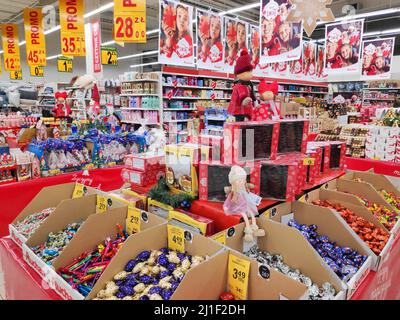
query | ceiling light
(243,8)
(148,53)
(53,57)
(144,64)
(99,10)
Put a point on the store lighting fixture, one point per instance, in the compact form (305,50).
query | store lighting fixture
(99,10)
(144,64)
(244,8)
(148,53)
(53,57)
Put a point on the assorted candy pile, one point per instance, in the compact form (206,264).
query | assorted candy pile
(56,242)
(326,292)
(392,199)
(152,275)
(376,238)
(85,270)
(29,225)
(344,261)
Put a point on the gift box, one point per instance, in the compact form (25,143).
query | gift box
(293,136)
(141,178)
(326,150)
(250,141)
(313,165)
(216,145)
(296,157)
(145,162)
(192,222)
(337,155)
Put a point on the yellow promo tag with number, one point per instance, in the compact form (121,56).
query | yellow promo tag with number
(238,276)
(36,71)
(65,64)
(101,204)
(78,191)
(308,161)
(176,238)
(133,220)
(16,75)
(109,56)
(220,237)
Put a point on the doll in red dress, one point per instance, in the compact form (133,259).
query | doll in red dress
(61,109)
(267,110)
(241,104)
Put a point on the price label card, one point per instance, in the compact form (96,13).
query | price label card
(220,237)
(79,191)
(238,276)
(16,75)
(34,37)
(89,166)
(130,21)
(109,56)
(64,64)
(12,57)
(133,220)
(36,71)
(308,161)
(101,204)
(176,238)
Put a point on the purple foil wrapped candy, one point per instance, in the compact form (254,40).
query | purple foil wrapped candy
(120,295)
(323,239)
(157,290)
(171,266)
(131,283)
(145,279)
(181,256)
(164,274)
(144,297)
(162,260)
(130,265)
(144,255)
(127,290)
(164,250)
(167,294)
(119,282)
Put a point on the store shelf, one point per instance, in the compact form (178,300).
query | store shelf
(216,119)
(193,98)
(376,89)
(181,120)
(2,182)
(143,121)
(140,109)
(139,80)
(180,109)
(75,98)
(379,99)
(196,87)
(298,91)
(139,95)
(3,168)
(46,96)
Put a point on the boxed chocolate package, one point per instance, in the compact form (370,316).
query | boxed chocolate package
(142,178)
(293,135)
(215,144)
(145,161)
(192,222)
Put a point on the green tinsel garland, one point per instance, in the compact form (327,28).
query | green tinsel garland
(160,192)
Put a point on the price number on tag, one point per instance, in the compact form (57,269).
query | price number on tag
(176,238)
(37,71)
(238,276)
(73,46)
(309,161)
(12,64)
(132,28)
(109,56)
(36,57)
(101,204)
(64,64)
(133,220)
(16,75)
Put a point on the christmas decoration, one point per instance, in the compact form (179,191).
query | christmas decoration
(161,193)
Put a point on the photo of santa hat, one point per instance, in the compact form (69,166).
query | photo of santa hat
(265,87)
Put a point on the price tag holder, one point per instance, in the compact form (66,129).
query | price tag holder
(79,191)
(102,204)
(16,75)
(308,161)
(65,64)
(109,56)
(36,71)
(176,238)
(220,237)
(133,220)
(130,21)
(238,276)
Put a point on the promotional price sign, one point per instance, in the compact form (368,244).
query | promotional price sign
(79,191)
(109,56)
(12,59)
(238,276)
(34,37)
(16,75)
(36,71)
(176,238)
(64,64)
(102,204)
(72,27)
(133,220)
(130,20)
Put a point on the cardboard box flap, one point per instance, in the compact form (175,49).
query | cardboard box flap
(328,194)
(68,211)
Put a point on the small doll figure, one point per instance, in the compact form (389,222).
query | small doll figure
(61,109)
(267,110)
(241,201)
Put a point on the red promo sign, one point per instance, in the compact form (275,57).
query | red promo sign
(96,43)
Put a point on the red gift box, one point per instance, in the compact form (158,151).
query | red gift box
(326,154)
(291,129)
(216,145)
(140,178)
(313,171)
(263,135)
(144,162)
(337,155)
(191,221)
(298,158)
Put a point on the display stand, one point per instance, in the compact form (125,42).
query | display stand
(379,167)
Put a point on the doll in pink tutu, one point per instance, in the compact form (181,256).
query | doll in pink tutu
(241,201)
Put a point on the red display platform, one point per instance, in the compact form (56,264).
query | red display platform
(22,283)
(15,196)
(380,167)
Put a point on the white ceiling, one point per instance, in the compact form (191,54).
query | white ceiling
(11,8)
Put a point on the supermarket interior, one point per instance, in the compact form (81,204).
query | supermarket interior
(186,150)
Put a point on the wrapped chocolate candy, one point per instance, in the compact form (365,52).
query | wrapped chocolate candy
(326,292)
(29,225)
(151,275)
(344,261)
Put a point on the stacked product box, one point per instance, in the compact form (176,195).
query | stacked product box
(383,144)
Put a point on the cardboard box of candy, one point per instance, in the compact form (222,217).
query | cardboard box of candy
(42,205)
(285,250)
(160,209)
(192,222)
(293,135)
(343,252)
(119,281)
(145,161)
(377,239)
(93,248)
(141,178)
(250,141)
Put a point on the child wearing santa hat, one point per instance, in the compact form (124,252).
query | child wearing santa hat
(61,109)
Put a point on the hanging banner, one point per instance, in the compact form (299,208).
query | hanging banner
(236,32)
(210,51)
(343,47)
(280,39)
(130,21)
(296,69)
(34,37)
(279,69)
(64,64)
(377,59)
(109,56)
(96,43)
(254,51)
(36,71)
(309,60)
(176,34)
(72,27)
(321,74)
(12,58)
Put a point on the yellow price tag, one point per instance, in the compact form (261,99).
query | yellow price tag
(16,75)
(112,164)
(176,238)
(238,276)
(55,171)
(109,56)
(133,220)
(89,166)
(220,237)
(64,64)
(101,204)
(79,191)
(309,161)
(36,71)
(130,21)
(267,214)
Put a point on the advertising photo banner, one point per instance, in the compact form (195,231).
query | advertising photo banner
(130,21)
(309,60)
(321,75)
(254,50)
(280,39)
(34,37)
(176,34)
(343,47)
(210,51)
(377,59)
(236,32)
(12,58)
(72,27)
